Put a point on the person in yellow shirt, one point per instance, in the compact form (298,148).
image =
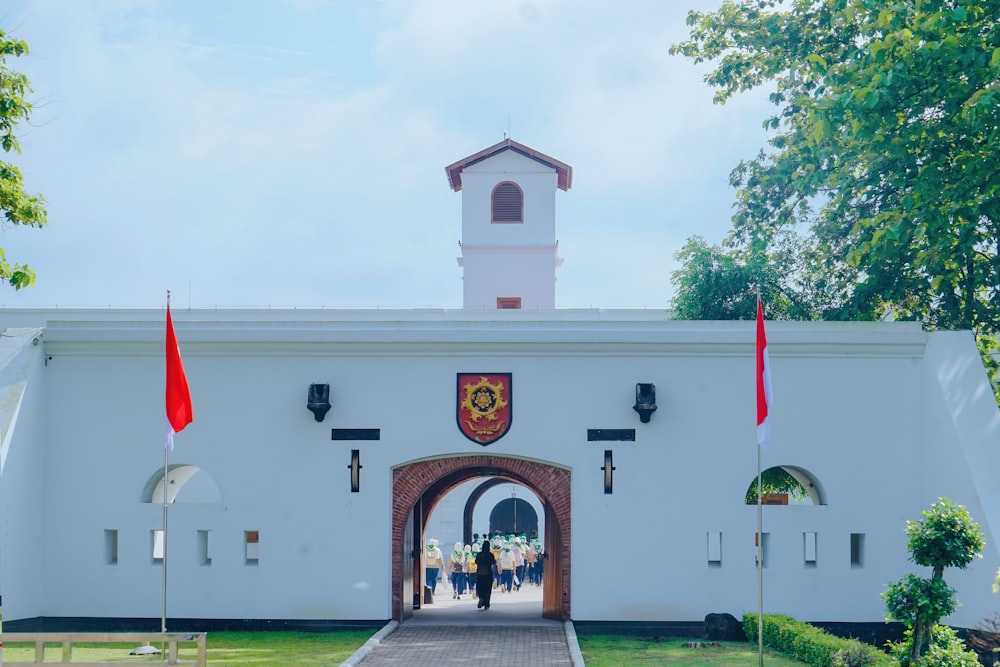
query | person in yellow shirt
(471,551)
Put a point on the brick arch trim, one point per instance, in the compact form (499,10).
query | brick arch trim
(412,481)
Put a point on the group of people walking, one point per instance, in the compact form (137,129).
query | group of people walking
(503,562)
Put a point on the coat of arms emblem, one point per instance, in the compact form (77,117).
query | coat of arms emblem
(484,406)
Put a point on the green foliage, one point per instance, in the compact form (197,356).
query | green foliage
(945,537)
(718,283)
(945,650)
(914,600)
(883,145)
(775,480)
(856,655)
(812,645)
(18,207)
(989,350)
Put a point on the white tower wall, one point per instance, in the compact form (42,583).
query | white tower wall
(515,260)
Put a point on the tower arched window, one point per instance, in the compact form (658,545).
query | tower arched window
(508,203)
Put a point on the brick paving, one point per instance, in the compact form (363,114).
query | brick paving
(511,633)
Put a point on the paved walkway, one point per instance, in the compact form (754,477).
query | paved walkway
(511,633)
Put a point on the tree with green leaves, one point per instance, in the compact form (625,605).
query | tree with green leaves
(18,207)
(946,536)
(720,283)
(883,147)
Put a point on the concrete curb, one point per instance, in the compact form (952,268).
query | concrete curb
(370,645)
(574,645)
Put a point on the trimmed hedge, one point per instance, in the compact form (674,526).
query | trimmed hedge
(812,645)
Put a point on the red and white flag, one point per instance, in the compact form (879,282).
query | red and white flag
(179,408)
(763,381)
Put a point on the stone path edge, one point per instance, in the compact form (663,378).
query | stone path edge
(571,641)
(574,645)
(370,645)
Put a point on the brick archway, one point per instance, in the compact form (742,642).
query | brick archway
(418,486)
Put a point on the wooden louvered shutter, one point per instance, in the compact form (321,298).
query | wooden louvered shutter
(508,203)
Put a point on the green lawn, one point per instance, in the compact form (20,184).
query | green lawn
(312,649)
(614,651)
(225,649)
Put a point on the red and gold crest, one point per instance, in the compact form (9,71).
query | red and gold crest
(484,406)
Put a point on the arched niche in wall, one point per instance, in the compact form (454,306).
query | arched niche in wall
(185,484)
(787,484)
(514,516)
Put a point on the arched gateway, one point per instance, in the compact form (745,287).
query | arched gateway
(418,486)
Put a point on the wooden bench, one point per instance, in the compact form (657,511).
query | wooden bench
(40,639)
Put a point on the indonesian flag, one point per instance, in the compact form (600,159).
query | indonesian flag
(763,381)
(179,409)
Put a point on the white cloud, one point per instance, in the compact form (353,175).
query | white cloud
(176,149)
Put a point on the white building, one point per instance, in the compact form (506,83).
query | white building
(278,519)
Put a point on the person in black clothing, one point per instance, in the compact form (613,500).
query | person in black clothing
(484,575)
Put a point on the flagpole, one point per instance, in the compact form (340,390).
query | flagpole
(179,413)
(760,540)
(166,488)
(760,565)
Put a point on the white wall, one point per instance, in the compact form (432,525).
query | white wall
(539,184)
(22,474)
(527,273)
(867,409)
(509,260)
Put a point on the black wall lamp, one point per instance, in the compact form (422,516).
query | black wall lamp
(319,400)
(355,470)
(608,469)
(645,400)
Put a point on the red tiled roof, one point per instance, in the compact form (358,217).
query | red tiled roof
(563,170)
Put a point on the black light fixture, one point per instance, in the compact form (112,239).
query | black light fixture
(608,469)
(355,470)
(645,400)
(319,400)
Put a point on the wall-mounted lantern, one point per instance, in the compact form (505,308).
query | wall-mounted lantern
(319,400)
(355,470)
(608,469)
(645,400)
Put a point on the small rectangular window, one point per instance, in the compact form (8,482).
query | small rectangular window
(715,549)
(765,539)
(809,549)
(857,550)
(158,546)
(111,547)
(205,547)
(252,539)
(509,302)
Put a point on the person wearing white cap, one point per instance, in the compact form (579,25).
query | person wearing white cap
(433,562)
(456,567)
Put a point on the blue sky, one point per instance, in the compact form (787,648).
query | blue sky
(291,153)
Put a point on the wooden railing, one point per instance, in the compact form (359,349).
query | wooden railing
(67,640)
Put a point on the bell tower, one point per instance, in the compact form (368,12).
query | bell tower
(509,249)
